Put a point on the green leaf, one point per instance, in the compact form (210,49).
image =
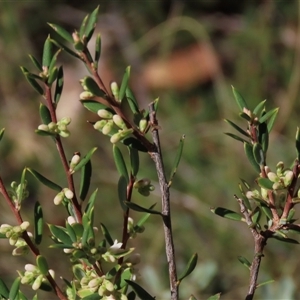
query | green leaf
(86,173)
(124,84)
(59,84)
(71,232)
(45,181)
(120,163)
(98,48)
(134,143)
(239,129)
(189,268)
(239,99)
(236,137)
(93,87)
(134,161)
(249,153)
(1,133)
(14,289)
(227,213)
(45,114)
(83,25)
(91,24)
(140,291)
(91,204)
(259,107)
(244,261)
(36,63)
(32,81)
(268,115)
(143,219)
(47,53)
(265,183)
(131,295)
(53,61)
(272,119)
(4,291)
(52,76)
(85,159)
(122,192)
(61,234)
(44,133)
(92,105)
(62,32)
(63,47)
(106,234)
(42,264)
(139,208)
(267,211)
(258,154)
(265,283)
(94,296)
(177,160)
(22,185)
(297,143)
(38,223)
(286,240)
(133,104)
(263,136)
(215,297)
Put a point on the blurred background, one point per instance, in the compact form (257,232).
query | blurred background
(188,53)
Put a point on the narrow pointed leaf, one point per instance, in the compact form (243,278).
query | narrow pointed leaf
(4,291)
(93,87)
(91,24)
(92,105)
(61,234)
(134,161)
(139,208)
(177,159)
(91,204)
(120,163)
(272,120)
(140,291)
(286,240)
(42,264)
(85,159)
(44,133)
(298,143)
(267,211)
(98,48)
(52,76)
(239,129)
(32,81)
(268,115)
(86,173)
(227,213)
(83,25)
(236,137)
(249,153)
(265,283)
(65,48)
(258,154)
(239,99)
(38,223)
(36,63)
(59,84)
(1,133)
(189,268)
(132,101)
(245,116)
(215,297)
(106,234)
(244,261)
(263,136)
(142,220)
(47,53)
(122,192)
(44,180)
(54,60)
(256,214)
(71,232)
(45,114)
(259,107)
(62,32)
(22,184)
(14,289)
(124,84)
(134,143)
(265,183)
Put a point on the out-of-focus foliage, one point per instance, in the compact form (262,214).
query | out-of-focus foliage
(188,54)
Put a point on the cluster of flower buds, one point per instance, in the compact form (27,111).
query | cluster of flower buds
(64,194)
(33,276)
(282,178)
(57,128)
(18,193)
(113,125)
(144,186)
(133,229)
(13,233)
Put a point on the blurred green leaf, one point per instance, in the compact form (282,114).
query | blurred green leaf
(52,76)
(256,214)
(120,163)
(54,60)
(4,291)
(94,296)
(215,297)
(265,183)
(59,84)
(134,161)
(44,180)
(132,101)
(83,25)
(45,114)
(249,153)
(191,265)
(239,129)
(93,87)
(134,143)
(14,289)
(47,53)
(42,264)
(244,261)
(258,154)
(239,99)
(227,213)
(286,240)
(71,232)
(60,233)
(265,283)
(92,105)
(86,173)
(106,234)
(268,115)
(65,48)
(177,159)
(236,137)
(85,159)
(2,133)
(140,291)
(62,32)
(98,48)
(259,107)
(267,211)
(124,84)
(36,63)
(139,208)
(38,223)
(122,192)
(263,136)
(32,81)
(91,204)
(91,24)
(44,133)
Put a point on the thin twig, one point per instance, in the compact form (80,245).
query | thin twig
(166,210)
(260,241)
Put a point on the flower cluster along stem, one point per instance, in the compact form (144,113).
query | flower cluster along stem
(166,209)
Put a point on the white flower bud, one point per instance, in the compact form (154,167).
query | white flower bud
(273,177)
(108,127)
(43,127)
(104,113)
(24,225)
(68,194)
(115,90)
(100,124)
(30,268)
(37,283)
(86,95)
(58,198)
(119,122)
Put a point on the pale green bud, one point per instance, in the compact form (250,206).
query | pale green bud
(273,177)
(108,285)
(94,283)
(22,250)
(71,220)
(24,225)
(68,193)
(37,283)
(279,168)
(104,113)
(115,90)
(142,183)
(86,95)
(30,268)
(134,259)
(100,124)
(52,126)
(264,194)
(74,162)
(143,125)
(65,121)
(65,133)
(119,122)
(58,198)
(115,138)
(288,177)
(43,127)
(108,127)
(277,186)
